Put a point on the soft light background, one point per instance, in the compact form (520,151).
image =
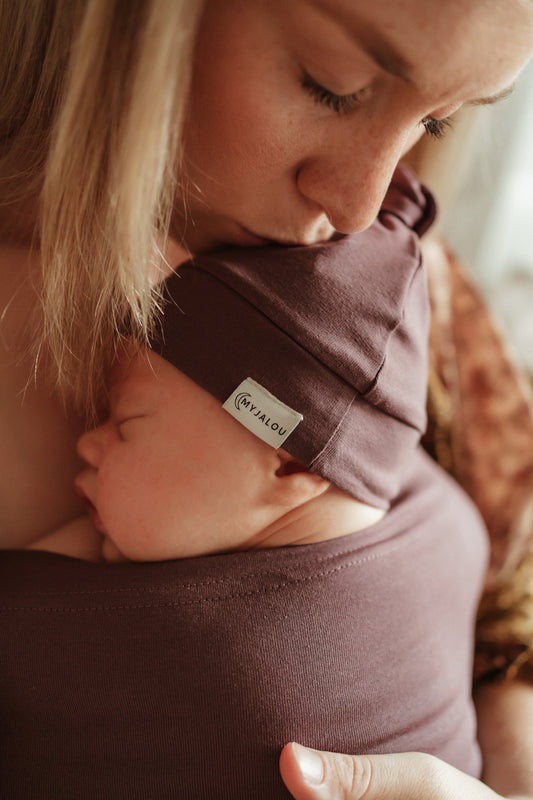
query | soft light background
(490,220)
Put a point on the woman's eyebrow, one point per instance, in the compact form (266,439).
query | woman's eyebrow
(388,58)
(371,39)
(495,98)
(385,54)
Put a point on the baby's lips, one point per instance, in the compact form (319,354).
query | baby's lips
(78,488)
(89,505)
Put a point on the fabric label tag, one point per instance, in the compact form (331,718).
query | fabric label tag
(262,413)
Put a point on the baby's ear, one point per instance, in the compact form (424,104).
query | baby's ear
(294,484)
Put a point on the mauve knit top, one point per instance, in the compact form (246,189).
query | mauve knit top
(184,679)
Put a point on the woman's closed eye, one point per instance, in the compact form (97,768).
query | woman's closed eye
(339,103)
(436,128)
(345,103)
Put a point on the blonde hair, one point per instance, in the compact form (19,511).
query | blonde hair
(92,105)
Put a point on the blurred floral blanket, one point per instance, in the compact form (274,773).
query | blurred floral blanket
(480,430)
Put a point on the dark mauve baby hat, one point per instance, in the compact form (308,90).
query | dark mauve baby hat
(336,332)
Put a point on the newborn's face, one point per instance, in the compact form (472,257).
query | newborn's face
(170,473)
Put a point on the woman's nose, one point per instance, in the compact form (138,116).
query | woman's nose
(349,176)
(91,445)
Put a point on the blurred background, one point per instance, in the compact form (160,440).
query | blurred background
(483,175)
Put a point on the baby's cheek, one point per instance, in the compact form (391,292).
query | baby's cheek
(141,533)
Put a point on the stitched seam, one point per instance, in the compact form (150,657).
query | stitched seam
(207,581)
(250,593)
(333,434)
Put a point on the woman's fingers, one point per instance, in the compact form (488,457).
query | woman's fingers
(313,775)
(310,774)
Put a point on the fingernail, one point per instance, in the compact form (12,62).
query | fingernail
(310,764)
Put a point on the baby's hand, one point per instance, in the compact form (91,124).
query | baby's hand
(77,538)
(110,552)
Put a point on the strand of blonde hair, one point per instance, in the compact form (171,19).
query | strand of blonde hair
(107,165)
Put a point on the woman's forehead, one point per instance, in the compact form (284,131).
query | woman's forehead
(441,46)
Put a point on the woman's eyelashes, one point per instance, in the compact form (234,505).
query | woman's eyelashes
(339,103)
(436,128)
(344,103)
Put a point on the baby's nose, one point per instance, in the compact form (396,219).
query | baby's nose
(90,445)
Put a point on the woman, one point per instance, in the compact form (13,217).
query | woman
(297,115)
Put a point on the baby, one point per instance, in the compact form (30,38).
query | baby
(285,404)
(282,405)
(172,474)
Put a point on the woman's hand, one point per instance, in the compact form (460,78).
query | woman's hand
(313,775)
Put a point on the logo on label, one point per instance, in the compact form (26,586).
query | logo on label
(242,399)
(262,413)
